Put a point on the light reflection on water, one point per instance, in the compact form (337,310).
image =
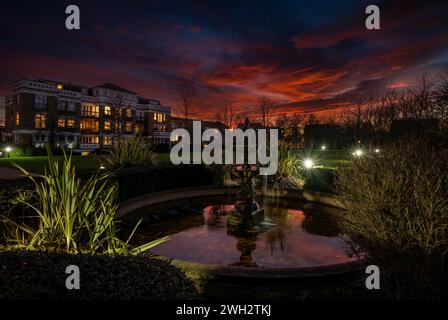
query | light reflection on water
(286,237)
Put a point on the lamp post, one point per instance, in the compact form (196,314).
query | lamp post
(8,150)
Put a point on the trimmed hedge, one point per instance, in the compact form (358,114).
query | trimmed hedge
(41,275)
(135,182)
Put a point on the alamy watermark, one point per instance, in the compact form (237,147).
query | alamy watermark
(211,147)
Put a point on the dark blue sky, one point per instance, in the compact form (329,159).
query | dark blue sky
(304,54)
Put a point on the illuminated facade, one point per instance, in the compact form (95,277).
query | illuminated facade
(39,112)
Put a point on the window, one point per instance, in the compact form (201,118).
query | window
(107,111)
(70,123)
(90,111)
(107,140)
(91,125)
(61,122)
(159,117)
(40,101)
(107,125)
(17,118)
(129,113)
(40,121)
(140,116)
(128,126)
(90,139)
(61,105)
(138,128)
(71,106)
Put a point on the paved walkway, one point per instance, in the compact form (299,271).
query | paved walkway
(10,173)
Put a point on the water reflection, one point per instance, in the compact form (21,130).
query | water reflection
(287,236)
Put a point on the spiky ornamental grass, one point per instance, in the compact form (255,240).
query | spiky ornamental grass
(72,216)
(130,153)
(289,174)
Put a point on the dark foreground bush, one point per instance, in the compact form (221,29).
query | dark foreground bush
(39,275)
(397,211)
(321,180)
(134,182)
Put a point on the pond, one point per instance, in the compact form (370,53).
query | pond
(290,234)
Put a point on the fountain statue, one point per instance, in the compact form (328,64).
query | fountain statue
(242,221)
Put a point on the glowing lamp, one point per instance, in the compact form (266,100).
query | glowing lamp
(358,153)
(308,163)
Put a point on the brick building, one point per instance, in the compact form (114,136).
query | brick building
(39,112)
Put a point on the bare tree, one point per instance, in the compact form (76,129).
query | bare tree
(187,99)
(312,119)
(263,110)
(118,105)
(227,116)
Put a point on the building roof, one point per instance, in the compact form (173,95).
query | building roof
(112,86)
(142,100)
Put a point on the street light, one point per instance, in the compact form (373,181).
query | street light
(377,150)
(324,147)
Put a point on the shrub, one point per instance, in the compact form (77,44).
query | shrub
(319,179)
(397,211)
(70,215)
(130,153)
(41,275)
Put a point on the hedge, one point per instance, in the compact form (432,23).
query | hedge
(41,275)
(135,182)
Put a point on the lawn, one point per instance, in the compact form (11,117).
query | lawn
(38,164)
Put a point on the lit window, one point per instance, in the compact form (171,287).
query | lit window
(91,125)
(128,126)
(107,125)
(90,139)
(129,113)
(61,122)
(70,123)
(107,111)
(90,111)
(138,128)
(107,140)
(17,118)
(40,121)
(155,116)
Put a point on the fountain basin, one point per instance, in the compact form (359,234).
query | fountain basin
(295,239)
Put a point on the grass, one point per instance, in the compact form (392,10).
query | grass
(38,164)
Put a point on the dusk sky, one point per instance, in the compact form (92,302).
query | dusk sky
(306,55)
